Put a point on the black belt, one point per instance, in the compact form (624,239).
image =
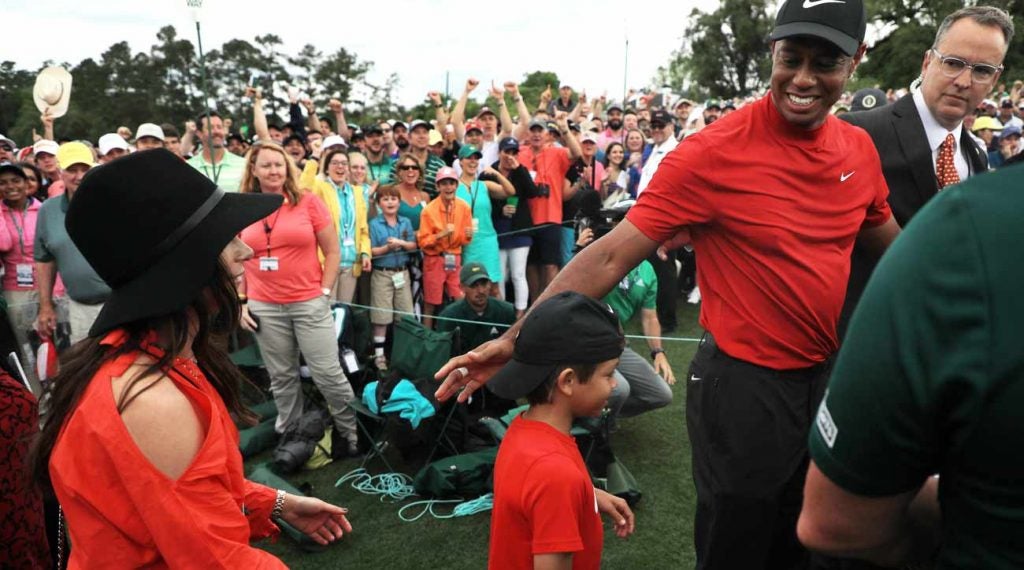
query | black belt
(399,268)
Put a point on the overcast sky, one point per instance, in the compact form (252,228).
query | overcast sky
(582,41)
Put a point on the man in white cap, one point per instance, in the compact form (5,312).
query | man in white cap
(45,152)
(148,136)
(56,253)
(111,146)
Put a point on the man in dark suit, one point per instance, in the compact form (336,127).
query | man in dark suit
(920,138)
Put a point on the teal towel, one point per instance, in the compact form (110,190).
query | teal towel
(405,399)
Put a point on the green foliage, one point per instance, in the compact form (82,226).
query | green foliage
(166,84)
(724,53)
(895,59)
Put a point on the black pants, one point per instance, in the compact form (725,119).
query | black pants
(748,428)
(667,289)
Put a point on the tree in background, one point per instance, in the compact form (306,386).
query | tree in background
(907,29)
(724,52)
(126,89)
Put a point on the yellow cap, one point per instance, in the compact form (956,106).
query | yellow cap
(986,122)
(74,153)
(435,137)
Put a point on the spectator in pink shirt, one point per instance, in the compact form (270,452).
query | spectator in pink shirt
(18,213)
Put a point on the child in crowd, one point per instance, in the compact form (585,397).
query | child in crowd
(545,506)
(446,224)
(391,238)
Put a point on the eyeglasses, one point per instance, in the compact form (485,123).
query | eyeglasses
(336,163)
(408,167)
(954,66)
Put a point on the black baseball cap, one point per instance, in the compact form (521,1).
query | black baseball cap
(373,129)
(567,328)
(508,143)
(662,117)
(837,21)
(13,169)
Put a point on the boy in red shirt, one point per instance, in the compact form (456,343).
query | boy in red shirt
(545,507)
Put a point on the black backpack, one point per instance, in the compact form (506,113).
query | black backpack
(299,440)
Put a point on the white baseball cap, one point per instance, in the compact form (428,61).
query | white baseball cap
(47,146)
(149,130)
(333,140)
(110,141)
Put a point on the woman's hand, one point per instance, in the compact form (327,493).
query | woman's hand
(367,264)
(323,522)
(508,211)
(246,320)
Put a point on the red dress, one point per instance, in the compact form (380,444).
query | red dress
(122,512)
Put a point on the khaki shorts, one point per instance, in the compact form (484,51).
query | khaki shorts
(384,296)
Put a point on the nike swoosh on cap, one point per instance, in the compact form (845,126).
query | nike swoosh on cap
(813,3)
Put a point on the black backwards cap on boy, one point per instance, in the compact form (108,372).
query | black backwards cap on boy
(841,22)
(567,328)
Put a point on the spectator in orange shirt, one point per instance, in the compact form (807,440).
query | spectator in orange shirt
(446,225)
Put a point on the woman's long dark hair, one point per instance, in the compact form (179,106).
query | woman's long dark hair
(216,312)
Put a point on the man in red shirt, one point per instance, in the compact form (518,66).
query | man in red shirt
(773,196)
(547,164)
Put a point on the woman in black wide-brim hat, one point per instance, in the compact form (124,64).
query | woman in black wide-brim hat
(140,447)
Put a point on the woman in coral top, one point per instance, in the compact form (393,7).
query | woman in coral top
(288,291)
(140,446)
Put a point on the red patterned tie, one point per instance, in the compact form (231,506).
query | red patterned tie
(945,170)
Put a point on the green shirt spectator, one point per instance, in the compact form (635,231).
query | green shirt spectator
(637,290)
(477,306)
(227,173)
(54,245)
(929,382)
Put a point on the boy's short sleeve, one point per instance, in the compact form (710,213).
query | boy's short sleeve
(646,272)
(552,498)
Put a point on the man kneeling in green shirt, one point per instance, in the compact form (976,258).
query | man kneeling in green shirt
(488,318)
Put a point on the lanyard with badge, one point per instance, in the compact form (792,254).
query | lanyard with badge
(449,218)
(474,189)
(24,271)
(269,263)
(348,215)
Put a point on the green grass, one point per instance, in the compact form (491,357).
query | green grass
(654,446)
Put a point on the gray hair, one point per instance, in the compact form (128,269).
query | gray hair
(982,15)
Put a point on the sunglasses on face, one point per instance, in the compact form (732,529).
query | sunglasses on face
(408,167)
(512,152)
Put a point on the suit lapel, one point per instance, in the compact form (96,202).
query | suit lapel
(911,137)
(977,159)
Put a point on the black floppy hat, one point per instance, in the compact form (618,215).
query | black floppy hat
(567,328)
(153,228)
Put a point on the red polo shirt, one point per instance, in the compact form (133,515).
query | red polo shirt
(547,167)
(773,211)
(544,500)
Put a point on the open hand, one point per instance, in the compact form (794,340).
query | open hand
(472,370)
(323,522)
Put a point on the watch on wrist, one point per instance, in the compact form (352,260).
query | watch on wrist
(655,352)
(326,291)
(278,505)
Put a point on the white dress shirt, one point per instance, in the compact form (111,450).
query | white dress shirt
(657,154)
(936,135)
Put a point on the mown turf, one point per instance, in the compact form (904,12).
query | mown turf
(654,446)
